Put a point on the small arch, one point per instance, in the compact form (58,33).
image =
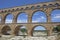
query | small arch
(17,9)
(9,10)
(50,5)
(6,30)
(57,4)
(2,11)
(5,11)
(39,30)
(27,8)
(33,7)
(44,6)
(21,8)
(13,9)
(38,6)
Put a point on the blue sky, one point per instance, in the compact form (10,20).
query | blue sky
(37,17)
(12,3)
(55,15)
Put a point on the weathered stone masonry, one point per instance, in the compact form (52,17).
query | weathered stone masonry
(30,9)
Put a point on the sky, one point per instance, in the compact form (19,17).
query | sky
(23,17)
(13,3)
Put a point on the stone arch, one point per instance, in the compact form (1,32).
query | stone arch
(32,7)
(6,30)
(56,29)
(40,29)
(55,13)
(9,10)
(21,17)
(40,12)
(54,9)
(50,5)
(38,7)
(5,11)
(27,8)
(57,4)
(18,29)
(21,8)
(13,10)
(9,14)
(17,9)
(44,5)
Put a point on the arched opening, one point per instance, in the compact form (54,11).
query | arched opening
(9,18)
(32,7)
(39,31)
(55,16)
(56,29)
(39,16)
(21,31)
(38,6)
(22,18)
(6,30)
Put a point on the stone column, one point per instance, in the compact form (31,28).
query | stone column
(29,12)
(29,28)
(12,30)
(48,13)
(29,19)
(49,32)
(3,20)
(29,33)
(50,29)
(1,26)
(48,18)
(12,33)
(14,19)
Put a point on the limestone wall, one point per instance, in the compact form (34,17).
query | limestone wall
(54,37)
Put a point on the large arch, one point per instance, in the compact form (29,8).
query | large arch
(56,29)
(6,30)
(39,30)
(39,16)
(20,31)
(55,15)
(22,18)
(9,18)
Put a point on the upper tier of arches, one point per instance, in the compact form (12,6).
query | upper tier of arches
(37,16)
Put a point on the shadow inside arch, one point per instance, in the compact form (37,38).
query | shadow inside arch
(6,30)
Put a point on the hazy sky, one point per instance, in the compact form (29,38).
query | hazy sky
(12,3)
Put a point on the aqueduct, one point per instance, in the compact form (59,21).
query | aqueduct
(47,7)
